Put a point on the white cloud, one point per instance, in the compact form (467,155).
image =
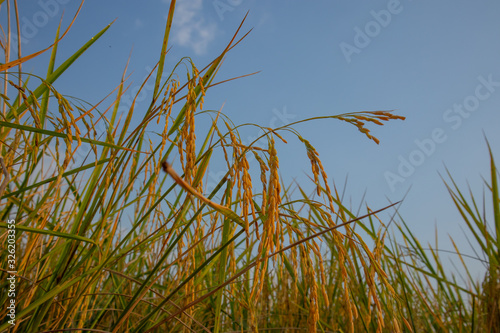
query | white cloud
(190,28)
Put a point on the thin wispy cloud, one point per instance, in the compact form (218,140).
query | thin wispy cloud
(190,27)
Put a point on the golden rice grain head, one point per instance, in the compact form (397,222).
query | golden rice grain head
(405,322)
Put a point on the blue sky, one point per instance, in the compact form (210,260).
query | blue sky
(436,63)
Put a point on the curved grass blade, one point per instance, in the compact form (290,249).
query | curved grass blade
(64,136)
(51,233)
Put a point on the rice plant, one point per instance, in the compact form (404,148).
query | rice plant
(117,231)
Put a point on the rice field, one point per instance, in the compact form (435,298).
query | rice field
(126,238)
